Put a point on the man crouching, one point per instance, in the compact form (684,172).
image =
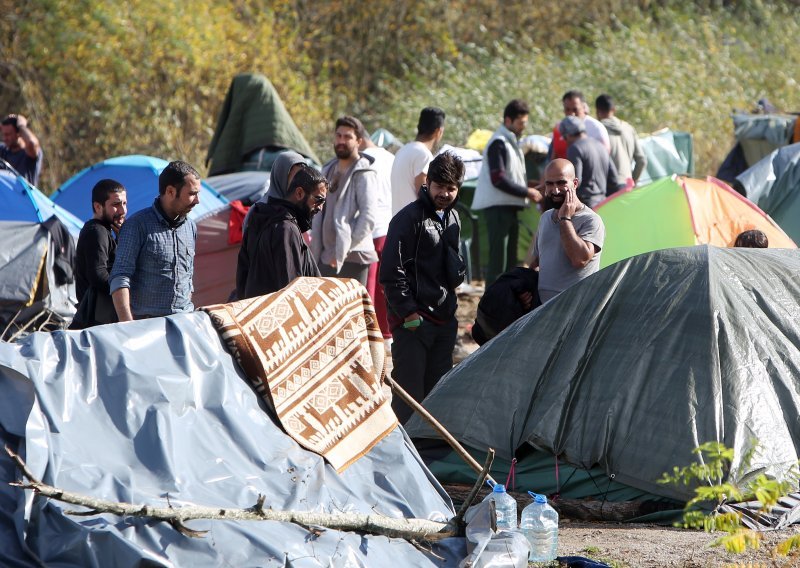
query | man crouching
(420,270)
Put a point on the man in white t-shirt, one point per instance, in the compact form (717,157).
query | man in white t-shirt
(382,164)
(411,161)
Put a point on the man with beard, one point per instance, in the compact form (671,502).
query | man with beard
(95,254)
(567,245)
(341,238)
(420,271)
(273,252)
(574,104)
(152,274)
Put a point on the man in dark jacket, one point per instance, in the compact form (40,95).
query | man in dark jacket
(273,252)
(420,270)
(95,252)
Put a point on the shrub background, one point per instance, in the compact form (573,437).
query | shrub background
(103,78)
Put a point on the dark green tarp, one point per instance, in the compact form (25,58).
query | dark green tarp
(634,367)
(252,117)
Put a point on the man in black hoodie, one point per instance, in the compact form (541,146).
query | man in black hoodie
(420,270)
(273,252)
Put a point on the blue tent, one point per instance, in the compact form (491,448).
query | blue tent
(139,175)
(20,201)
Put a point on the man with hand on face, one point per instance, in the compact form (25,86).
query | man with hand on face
(420,271)
(152,274)
(567,245)
(95,254)
(273,252)
(341,237)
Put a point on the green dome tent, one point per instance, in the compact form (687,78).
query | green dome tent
(631,369)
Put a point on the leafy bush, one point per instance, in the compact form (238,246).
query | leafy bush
(715,485)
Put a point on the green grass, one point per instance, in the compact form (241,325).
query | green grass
(680,68)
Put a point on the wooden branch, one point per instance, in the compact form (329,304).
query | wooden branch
(476,487)
(441,430)
(410,529)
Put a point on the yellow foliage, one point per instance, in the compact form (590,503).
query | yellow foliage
(108,78)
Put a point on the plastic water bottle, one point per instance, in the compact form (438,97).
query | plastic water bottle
(505,506)
(539,524)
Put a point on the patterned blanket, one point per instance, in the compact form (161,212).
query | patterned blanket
(315,352)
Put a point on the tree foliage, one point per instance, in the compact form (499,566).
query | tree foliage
(99,79)
(716,484)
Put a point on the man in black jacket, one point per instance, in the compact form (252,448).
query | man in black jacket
(420,270)
(273,252)
(94,255)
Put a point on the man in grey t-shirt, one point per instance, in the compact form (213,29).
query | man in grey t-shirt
(567,245)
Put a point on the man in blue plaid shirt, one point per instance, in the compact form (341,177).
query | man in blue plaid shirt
(152,273)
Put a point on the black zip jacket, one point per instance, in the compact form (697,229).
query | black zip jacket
(273,252)
(421,265)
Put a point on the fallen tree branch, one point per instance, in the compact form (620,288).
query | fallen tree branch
(410,529)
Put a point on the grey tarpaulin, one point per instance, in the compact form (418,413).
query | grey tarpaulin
(153,410)
(247,187)
(774,185)
(634,367)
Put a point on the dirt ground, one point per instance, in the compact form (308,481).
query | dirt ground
(628,545)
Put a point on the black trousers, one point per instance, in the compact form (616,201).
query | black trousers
(420,358)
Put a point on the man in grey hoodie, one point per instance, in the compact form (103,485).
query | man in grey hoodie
(626,151)
(341,236)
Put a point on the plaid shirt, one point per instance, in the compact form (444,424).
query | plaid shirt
(156,261)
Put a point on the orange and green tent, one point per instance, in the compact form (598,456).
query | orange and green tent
(678,212)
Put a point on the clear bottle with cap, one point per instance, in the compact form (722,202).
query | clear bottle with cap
(539,524)
(505,507)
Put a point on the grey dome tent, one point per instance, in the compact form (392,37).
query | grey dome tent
(628,371)
(774,185)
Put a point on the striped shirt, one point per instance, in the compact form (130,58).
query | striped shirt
(155,259)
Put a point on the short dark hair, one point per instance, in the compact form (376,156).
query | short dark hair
(105,187)
(515,109)
(307,178)
(447,169)
(175,175)
(573,94)
(430,120)
(604,103)
(351,122)
(752,239)
(10,121)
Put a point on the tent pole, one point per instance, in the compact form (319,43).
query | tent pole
(447,436)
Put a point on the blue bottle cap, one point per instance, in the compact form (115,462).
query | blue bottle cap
(537,498)
(498,488)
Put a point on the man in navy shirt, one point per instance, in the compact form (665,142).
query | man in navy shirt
(21,148)
(152,274)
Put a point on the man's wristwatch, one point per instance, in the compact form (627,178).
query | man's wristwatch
(565,218)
